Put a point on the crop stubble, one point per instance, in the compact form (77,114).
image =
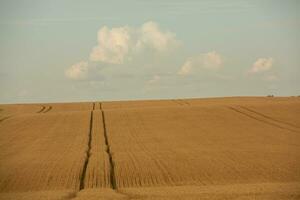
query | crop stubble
(170,149)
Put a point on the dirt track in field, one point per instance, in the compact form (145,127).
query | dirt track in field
(218,148)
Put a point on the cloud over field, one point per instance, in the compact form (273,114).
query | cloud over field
(211,61)
(261,65)
(119,45)
(78,71)
(113,45)
(116,45)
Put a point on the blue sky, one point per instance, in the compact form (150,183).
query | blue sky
(53,51)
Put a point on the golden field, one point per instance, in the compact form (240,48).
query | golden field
(217,148)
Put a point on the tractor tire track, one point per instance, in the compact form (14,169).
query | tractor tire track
(268,117)
(261,120)
(181,102)
(48,109)
(108,150)
(42,109)
(177,103)
(5,118)
(184,102)
(88,154)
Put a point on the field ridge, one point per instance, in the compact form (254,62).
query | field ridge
(112,171)
(86,162)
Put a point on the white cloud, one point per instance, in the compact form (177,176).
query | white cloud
(261,65)
(211,61)
(120,45)
(154,79)
(186,68)
(115,45)
(150,36)
(78,71)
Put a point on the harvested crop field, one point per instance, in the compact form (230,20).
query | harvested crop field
(218,148)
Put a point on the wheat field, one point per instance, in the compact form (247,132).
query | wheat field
(214,148)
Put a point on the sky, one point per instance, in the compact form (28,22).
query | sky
(96,50)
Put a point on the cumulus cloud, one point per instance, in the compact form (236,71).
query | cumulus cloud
(78,71)
(113,45)
(186,68)
(151,36)
(119,45)
(211,61)
(116,45)
(261,65)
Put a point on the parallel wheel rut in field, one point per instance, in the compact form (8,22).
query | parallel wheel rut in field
(42,109)
(185,102)
(48,109)
(88,153)
(112,167)
(261,120)
(181,102)
(268,117)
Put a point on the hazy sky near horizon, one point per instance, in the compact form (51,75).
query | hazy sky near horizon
(76,50)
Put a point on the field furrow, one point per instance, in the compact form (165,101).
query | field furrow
(198,146)
(47,109)
(98,168)
(43,152)
(263,120)
(42,109)
(217,148)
